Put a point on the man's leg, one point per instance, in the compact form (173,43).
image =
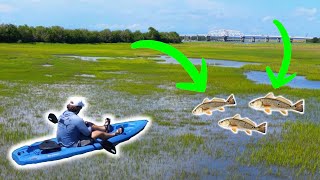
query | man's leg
(98,128)
(104,128)
(101,135)
(104,135)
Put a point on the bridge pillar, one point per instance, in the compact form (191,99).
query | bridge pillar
(197,37)
(242,38)
(253,39)
(267,39)
(225,38)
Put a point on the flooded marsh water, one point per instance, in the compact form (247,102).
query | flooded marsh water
(298,82)
(169,60)
(158,153)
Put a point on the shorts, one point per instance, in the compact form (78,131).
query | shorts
(82,143)
(84,140)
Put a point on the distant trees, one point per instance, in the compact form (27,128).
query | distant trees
(314,40)
(10,33)
(153,34)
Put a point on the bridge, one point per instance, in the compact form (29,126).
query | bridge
(225,35)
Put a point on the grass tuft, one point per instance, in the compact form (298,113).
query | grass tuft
(297,147)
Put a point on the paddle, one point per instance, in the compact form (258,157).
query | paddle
(53,118)
(108,146)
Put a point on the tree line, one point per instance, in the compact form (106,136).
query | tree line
(10,33)
(314,40)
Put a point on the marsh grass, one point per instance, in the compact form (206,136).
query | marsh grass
(143,76)
(296,147)
(178,143)
(187,140)
(194,123)
(14,135)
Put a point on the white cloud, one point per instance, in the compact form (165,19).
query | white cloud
(302,11)
(5,8)
(267,18)
(312,18)
(308,13)
(211,8)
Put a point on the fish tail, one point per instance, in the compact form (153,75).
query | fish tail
(262,127)
(231,100)
(299,106)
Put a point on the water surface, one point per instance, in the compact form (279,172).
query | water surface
(212,62)
(298,82)
(169,60)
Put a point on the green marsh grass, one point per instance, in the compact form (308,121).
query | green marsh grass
(297,147)
(194,123)
(23,63)
(23,77)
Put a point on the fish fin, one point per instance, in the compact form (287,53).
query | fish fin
(234,129)
(221,109)
(267,110)
(262,128)
(217,100)
(282,99)
(299,106)
(248,132)
(209,113)
(237,116)
(206,100)
(284,112)
(270,95)
(231,100)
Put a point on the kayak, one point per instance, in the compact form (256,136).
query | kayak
(32,154)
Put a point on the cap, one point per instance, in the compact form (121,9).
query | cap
(76,102)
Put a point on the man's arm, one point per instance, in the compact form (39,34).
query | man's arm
(83,128)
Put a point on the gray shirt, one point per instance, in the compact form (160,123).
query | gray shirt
(71,129)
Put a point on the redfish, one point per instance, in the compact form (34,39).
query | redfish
(236,123)
(271,103)
(208,106)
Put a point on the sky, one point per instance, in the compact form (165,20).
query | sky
(299,17)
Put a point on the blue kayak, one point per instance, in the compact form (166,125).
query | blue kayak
(33,154)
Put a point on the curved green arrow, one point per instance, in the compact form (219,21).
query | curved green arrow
(199,79)
(281,79)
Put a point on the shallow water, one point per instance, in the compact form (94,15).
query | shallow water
(217,154)
(92,58)
(86,75)
(169,60)
(47,65)
(211,62)
(298,82)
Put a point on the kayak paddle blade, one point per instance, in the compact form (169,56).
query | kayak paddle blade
(53,118)
(108,146)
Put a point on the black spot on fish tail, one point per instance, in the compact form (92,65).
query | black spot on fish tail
(231,99)
(299,106)
(262,128)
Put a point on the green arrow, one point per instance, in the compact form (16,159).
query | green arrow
(281,79)
(199,79)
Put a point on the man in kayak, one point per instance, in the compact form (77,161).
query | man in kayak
(73,131)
